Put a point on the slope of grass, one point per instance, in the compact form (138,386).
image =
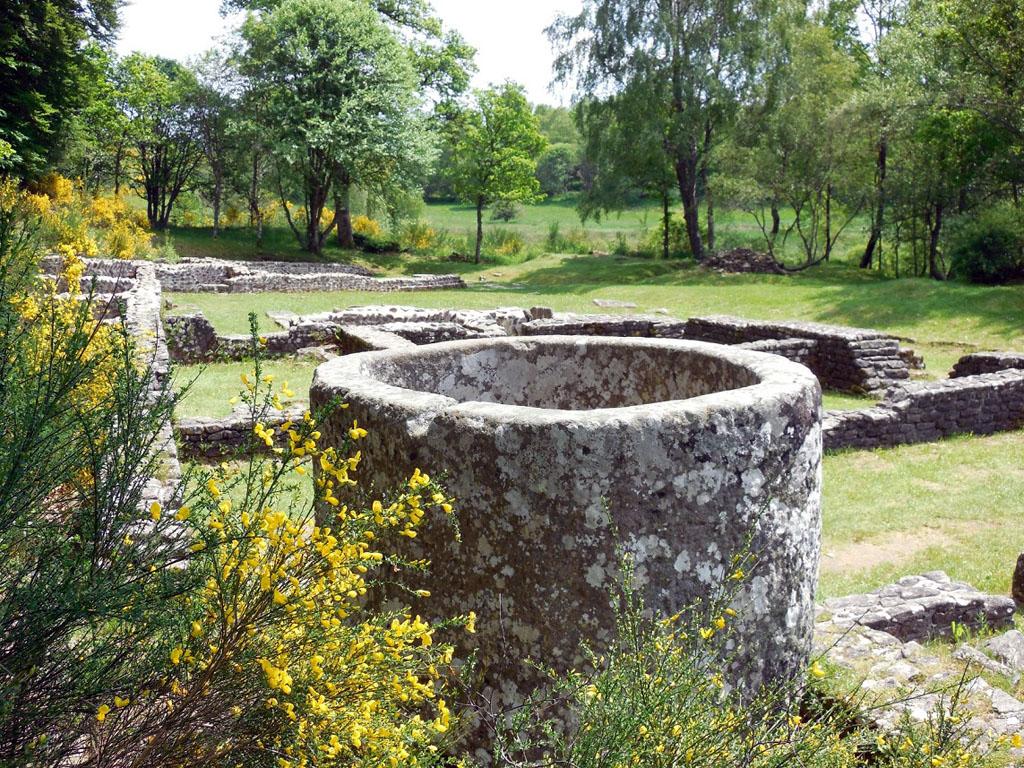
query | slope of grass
(208,389)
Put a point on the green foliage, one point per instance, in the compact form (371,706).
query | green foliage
(656,697)
(495,145)
(340,107)
(157,97)
(556,169)
(987,247)
(47,74)
(504,210)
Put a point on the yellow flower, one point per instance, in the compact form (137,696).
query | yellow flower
(182,514)
(176,656)
(119,702)
(154,511)
(1017,741)
(471,622)
(101,713)
(817,670)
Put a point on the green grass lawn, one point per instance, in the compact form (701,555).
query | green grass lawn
(952,505)
(208,389)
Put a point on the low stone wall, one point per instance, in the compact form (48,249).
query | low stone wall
(927,411)
(218,276)
(131,293)
(193,339)
(845,359)
(209,439)
(987,362)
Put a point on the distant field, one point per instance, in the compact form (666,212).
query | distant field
(633,228)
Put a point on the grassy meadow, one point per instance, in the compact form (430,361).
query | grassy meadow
(952,505)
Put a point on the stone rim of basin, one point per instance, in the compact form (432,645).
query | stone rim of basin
(370,376)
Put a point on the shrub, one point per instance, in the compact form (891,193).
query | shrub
(658,698)
(364,225)
(230,629)
(504,210)
(418,236)
(74,224)
(987,247)
(504,243)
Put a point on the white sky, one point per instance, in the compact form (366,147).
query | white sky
(508,35)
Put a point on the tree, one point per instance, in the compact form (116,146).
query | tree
(624,148)
(556,168)
(693,58)
(495,147)
(340,104)
(213,106)
(46,72)
(157,97)
(796,145)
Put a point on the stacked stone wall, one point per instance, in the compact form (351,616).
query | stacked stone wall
(987,362)
(924,412)
(208,439)
(845,359)
(216,276)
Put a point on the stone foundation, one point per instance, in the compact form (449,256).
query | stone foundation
(556,448)
(928,411)
(987,362)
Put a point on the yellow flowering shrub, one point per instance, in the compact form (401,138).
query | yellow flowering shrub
(54,316)
(76,224)
(364,225)
(418,236)
(658,698)
(278,654)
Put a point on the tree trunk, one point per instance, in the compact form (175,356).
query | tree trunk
(828,222)
(709,200)
(666,223)
(479,229)
(343,210)
(776,220)
(118,156)
(934,231)
(878,218)
(686,175)
(218,193)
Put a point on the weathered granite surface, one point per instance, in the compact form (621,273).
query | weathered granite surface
(922,412)
(555,448)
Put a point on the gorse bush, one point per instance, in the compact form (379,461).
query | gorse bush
(73,223)
(987,247)
(84,593)
(659,698)
(228,629)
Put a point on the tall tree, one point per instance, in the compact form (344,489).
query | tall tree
(624,150)
(692,56)
(213,103)
(46,72)
(494,151)
(339,93)
(157,95)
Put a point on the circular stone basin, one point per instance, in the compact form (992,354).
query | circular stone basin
(560,448)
